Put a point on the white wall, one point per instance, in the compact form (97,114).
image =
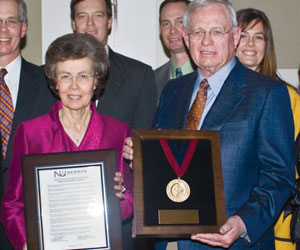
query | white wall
(138,33)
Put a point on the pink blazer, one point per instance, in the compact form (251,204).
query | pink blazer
(45,134)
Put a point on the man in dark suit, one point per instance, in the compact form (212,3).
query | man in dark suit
(253,115)
(29,91)
(130,92)
(170,27)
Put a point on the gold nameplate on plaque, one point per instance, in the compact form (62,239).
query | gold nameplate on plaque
(168,217)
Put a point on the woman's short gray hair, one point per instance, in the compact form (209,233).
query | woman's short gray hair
(72,47)
(194,5)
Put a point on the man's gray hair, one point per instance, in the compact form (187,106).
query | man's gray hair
(22,10)
(194,5)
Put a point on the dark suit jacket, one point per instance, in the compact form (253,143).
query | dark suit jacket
(162,76)
(253,114)
(130,92)
(34,99)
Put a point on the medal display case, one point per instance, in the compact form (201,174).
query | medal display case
(178,185)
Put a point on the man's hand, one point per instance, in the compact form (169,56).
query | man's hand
(25,246)
(229,233)
(128,150)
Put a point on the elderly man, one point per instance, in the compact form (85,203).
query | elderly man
(24,90)
(130,92)
(251,112)
(170,26)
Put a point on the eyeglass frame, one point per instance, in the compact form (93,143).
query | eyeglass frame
(10,22)
(204,32)
(78,78)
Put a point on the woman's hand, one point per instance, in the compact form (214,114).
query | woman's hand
(119,187)
(25,246)
(128,150)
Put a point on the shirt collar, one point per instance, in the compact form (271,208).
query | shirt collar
(217,80)
(13,65)
(186,68)
(12,78)
(106,50)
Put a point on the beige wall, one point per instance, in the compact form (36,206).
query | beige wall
(284,18)
(282,14)
(33,47)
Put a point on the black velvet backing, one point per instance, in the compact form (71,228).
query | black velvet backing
(157,173)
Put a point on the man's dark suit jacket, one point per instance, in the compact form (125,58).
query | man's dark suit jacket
(162,76)
(130,92)
(34,99)
(129,96)
(254,117)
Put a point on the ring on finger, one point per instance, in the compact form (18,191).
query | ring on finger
(123,190)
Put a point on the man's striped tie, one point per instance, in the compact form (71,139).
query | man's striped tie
(6,112)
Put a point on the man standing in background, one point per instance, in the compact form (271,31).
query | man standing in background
(130,92)
(170,26)
(24,91)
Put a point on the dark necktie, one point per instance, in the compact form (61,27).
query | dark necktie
(195,113)
(6,112)
(178,72)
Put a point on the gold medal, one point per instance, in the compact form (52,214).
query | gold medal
(178,190)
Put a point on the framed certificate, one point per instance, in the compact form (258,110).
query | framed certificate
(178,185)
(70,201)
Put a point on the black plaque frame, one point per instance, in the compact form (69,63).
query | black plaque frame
(106,158)
(140,228)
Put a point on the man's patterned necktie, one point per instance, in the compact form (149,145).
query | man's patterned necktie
(6,112)
(178,72)
(195,113)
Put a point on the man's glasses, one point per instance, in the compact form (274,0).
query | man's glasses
(215,33)
(10,22)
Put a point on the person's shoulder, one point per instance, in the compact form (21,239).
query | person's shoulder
(182,82)
(36,126)
(38,122)
(32,68)
(163,67)
(128,62)
(113,123)
(294,94)
(254,81)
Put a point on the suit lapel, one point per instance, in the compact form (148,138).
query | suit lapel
(228,99)
(183,102)
(165,73)
(26,93)
(113,82)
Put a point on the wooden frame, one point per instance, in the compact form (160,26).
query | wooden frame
(141,174)
(86,169)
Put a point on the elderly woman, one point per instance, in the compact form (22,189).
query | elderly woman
(76,66)
(256,51)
